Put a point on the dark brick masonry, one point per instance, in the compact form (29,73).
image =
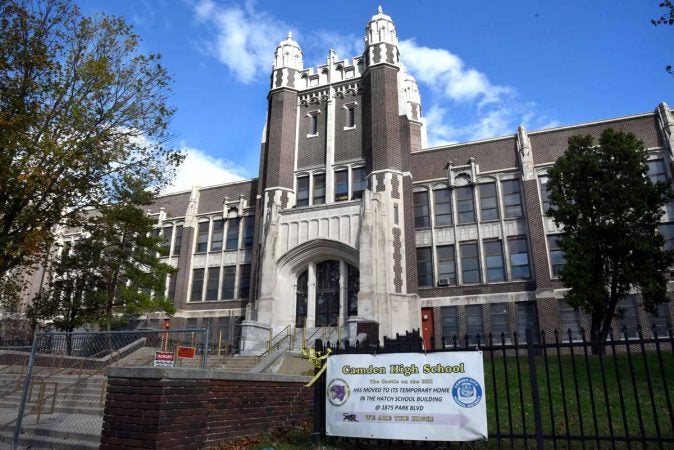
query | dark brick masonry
(190,409)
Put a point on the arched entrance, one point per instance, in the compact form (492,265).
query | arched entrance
(318,284)
(331,287)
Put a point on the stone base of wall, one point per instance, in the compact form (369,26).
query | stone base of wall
(192,409)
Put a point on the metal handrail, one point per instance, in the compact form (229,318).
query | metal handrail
(277,344)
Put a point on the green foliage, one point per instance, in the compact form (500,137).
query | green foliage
(80,110)
(609,210)
(113,272)
(666,19)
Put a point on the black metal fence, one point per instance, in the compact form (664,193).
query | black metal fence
(551,390)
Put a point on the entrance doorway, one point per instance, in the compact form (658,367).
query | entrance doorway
(427,329)
(327,293)
(301,296)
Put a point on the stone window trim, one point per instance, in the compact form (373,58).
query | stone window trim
(310,174)
(658,169)
(313,123)
(350,116)
(210,220)
(169,246)
(201,246)
(551,265)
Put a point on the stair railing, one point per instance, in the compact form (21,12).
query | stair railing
(276,340)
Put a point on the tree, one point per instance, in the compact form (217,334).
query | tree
(80,110)
(113,273)
(609,210)
(666,19)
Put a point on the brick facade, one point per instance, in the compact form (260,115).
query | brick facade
(185,409)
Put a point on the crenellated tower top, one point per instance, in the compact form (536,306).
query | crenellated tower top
(288,54)
(380,29)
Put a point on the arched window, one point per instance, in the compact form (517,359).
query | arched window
(301,296)
(327,293)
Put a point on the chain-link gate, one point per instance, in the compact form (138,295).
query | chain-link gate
(53,392)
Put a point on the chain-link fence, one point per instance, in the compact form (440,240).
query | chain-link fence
(52,392)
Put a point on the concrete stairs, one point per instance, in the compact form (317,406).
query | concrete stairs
(71,415)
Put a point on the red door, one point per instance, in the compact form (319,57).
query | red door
(427,331)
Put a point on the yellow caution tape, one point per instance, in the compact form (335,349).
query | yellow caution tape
(318,360)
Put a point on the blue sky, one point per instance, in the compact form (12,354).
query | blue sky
(483,68)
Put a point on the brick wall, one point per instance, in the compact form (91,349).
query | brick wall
(191,409)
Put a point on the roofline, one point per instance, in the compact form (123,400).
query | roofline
(212,186)
(544,130)
(596,122)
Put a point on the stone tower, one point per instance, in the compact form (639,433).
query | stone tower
(335,191)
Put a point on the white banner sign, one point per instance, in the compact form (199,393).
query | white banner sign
(410,396)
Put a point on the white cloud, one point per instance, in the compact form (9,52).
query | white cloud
(243,39)
(204,170)
(448,75)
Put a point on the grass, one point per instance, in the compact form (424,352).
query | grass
(572,399)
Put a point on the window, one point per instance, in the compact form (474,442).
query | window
(212,283)
(228,280)
(350,116)
(216,237)
(526,319)
(341,185)
(474,322)
(197,284)
(358,182)
(249,232)
(450,323)
(569,320)
(470,263)
(657,171)
(202,237)
(244,281)
(465,205)
(628,318)
(396,216)
(557,260)
(424,267)
(667,232)
(353,287)
(545,193)
(660,320)
(519,258)
(313,124)
(443,207)
(319,189)
(493,252)
(177,243)
(512,198)
(303,191)
(446,265)
(488,202)
(232,234)
(498,320)
(167,234)
(172,286)
(422,217)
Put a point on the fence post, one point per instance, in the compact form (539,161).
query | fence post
(24,395)
(204,361)
(535,398)
(319,409)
